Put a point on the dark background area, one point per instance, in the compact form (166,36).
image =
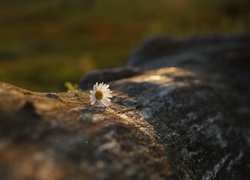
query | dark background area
(45,43)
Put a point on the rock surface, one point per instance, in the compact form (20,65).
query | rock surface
(60,136)
(185,117)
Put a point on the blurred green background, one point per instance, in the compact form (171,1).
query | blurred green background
(44,43)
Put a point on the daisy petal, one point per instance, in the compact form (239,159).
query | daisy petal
(104,89)
(108,96)
(101,103)
(93,100)
(105,102)
(106,86)
(101,86)
(95,87)
(107,99)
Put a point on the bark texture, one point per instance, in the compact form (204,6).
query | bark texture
(184,114)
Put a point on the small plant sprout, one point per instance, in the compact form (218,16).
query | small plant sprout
(72,88)
(102,94)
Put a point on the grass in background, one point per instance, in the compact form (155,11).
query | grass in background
(45,43)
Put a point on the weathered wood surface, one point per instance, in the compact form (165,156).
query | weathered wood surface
(185,117)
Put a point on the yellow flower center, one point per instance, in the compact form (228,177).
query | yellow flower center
(98,95)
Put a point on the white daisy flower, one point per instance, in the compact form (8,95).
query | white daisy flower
(101,93)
